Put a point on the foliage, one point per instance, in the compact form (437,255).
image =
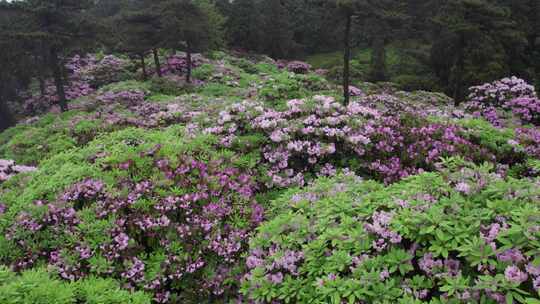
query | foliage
(37,286)
(125,206)
(460,236)
(314,136)
(204,72)
(109,69)
(513,94)
(283,86)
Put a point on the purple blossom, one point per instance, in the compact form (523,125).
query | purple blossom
(298,67)
(515,275)
(428,264)
(536,284)
(511,256)
(533,270)
(384,275)
(121,241)
(463,188)
(276,278)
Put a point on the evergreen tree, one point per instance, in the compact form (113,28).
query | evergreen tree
(275,24)
(59,28)
(186,27)
(242,22)
(140,32)
(469,44)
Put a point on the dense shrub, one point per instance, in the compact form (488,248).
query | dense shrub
(131,97)
(37,287)
(109,69)
(284,86)
(78,84)
(526,108)
(178,63)
(8,169)
(314,136)
(204,72)
(462,237)
(170,85)
(168,223)
(298,67)
(513,94)
(500,91)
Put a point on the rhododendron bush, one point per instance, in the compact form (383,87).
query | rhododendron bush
(513,94)
(255,184)
(85,74)
(313,137)
(178,231)
(8,169)
(464,235)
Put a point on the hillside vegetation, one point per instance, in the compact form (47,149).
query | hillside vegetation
(254,184)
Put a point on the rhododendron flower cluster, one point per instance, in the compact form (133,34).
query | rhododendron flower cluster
(129,97)
(513,94)
(298,67)
(354,91)
(529,139)
(84,75)
(500,91)
(178,64)
(8,169)
(196,236)
(526,108)
(108,70)
(310,137)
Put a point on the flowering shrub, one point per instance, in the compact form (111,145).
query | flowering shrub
(8,169)
(354,91)
(311,137)
(526,108)
(462,237)
(513,94)
(500,91)
(130,97)
(298,67)
(108,70)
(178,231)
(77,85)
(529,139)
(177,64)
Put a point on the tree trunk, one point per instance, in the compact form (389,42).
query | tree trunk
(41,85)
(41,71)
(6,120)
(58,79)
(188,75)
(156,62)
(378,60)
(143,66)
(346,60)
(458,71)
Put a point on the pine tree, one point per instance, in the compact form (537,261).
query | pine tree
(140,32)
(275,23)
(470,42)
(186,27)
(59,27)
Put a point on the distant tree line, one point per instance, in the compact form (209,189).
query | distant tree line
(463,42)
